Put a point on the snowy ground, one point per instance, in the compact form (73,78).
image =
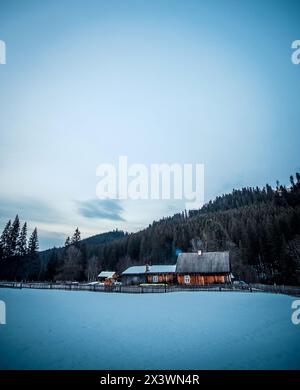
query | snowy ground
(185,330)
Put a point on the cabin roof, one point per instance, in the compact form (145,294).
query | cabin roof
(138,269)
(206,263)
(153,269)
(162,269)
(106,274)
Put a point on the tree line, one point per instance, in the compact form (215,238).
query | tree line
(259,226)
(14,243)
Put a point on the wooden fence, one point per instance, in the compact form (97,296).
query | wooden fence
(290,290)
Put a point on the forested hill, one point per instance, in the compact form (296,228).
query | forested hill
(92,241)
(260,227)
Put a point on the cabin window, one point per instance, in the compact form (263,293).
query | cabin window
(187,279)
(155,279)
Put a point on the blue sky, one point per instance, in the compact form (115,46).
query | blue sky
(207,82)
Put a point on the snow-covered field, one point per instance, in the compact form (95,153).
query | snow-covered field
(186,330)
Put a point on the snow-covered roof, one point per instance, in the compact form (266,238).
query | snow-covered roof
(162,269)
(106,274)
(139,269)
(152,269)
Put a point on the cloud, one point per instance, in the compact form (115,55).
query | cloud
(28,208)
(101,209)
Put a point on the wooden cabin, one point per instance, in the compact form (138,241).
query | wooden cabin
(107,277)
(203,268)
(149,274)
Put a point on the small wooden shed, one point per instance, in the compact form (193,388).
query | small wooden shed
(107,277)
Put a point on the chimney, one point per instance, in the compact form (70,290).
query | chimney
(199,252)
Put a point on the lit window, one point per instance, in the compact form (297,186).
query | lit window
(187,279)
(155,279)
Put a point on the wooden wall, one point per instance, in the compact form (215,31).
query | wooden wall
(162,278)
(195,279)
(109,281)
(133,279)
(201,280)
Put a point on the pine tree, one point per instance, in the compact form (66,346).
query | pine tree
(13,236)
(4,240)
(33,244)
(68,241)
(22,241)
(76,237)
